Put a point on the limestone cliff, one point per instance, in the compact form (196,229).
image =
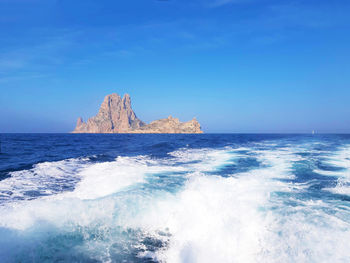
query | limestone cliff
(116,116)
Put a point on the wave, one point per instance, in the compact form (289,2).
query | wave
(246,219)
(106,198)
(341,161)
(174,209)
(43,179)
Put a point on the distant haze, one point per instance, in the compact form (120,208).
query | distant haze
(237,66)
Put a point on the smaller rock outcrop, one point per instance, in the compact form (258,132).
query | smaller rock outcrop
(170,125)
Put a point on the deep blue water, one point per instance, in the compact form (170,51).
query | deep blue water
(174,198)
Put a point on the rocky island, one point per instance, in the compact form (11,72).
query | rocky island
(116,116)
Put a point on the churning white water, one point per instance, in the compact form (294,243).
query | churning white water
(196,205)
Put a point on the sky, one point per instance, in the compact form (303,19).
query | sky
(238,66)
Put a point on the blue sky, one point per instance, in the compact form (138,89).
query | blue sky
(236,65)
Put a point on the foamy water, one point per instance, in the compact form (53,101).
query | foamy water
(266,201)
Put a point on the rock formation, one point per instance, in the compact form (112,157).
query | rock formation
(116,116)
(170,125)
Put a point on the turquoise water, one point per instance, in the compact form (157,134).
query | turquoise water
(174,198)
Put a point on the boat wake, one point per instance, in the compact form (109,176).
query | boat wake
(247,204)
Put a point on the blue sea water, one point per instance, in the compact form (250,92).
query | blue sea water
(174,198)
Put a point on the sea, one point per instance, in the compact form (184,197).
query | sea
(174,198)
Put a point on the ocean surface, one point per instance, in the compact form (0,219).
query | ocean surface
(174,198)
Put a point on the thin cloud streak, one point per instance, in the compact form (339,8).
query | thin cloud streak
(219,3)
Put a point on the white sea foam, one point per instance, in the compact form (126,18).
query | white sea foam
(106,178)
(212,220)
(341,160)
(91,207)
(243,218)
(205,159)
(217,219)
(44,178)
(329,173)
(92,181)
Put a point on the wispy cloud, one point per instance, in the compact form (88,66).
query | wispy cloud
(219,3)
(271,23)
(22,77)
(298,14)
(123,53)
(26,60)
(11,63)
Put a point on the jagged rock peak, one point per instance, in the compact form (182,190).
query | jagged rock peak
(80,121)
(114,116)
